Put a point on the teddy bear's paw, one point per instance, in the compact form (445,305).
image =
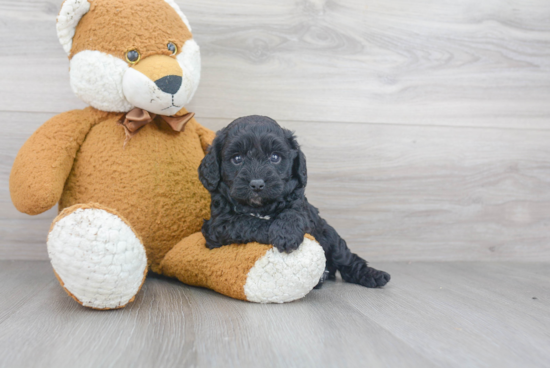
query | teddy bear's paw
(97,257)
(283,277)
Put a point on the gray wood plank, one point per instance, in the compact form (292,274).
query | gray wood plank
(393,192)
(171,324)
(51,330)
(20,282)
(317,331)
(451,314)
(446,63)
(466,314)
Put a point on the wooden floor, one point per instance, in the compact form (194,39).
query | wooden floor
(446,314)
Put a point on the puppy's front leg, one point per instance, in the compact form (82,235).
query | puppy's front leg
(287,231)
(239,229)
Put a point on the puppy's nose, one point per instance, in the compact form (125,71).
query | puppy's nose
(169,84)
(257,185)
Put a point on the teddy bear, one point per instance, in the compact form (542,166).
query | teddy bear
(123,171)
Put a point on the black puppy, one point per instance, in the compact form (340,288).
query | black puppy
(256,174)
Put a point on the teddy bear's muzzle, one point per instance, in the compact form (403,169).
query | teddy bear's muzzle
(158,84)
(157,67)
(169,84)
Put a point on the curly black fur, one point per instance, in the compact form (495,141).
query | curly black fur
(256,174)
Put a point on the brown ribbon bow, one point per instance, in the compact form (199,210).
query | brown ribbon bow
(137,118)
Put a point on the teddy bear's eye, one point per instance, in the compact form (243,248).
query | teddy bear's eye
(172,48)
(132,56)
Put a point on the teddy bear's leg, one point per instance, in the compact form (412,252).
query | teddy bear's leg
(253,272)
(96,256)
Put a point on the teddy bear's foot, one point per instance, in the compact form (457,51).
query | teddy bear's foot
(283,277)
(96,256)
(253,272)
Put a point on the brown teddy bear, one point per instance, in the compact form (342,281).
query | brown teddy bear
(124,171)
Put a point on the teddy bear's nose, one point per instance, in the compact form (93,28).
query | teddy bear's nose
(169,84)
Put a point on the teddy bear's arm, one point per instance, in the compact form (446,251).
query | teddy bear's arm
(206,135)
(44,162)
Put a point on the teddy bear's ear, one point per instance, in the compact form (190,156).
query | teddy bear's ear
(67,20)
(73,10)
(175,6)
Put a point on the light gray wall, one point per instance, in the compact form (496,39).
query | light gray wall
(426,123)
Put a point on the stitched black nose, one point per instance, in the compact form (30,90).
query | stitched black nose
(169,84)
(257,185)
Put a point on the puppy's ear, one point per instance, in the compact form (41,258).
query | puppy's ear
(299,167)
(209,169)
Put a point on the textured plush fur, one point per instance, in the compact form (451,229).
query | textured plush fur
(81,159)
(256,175)
(98,34)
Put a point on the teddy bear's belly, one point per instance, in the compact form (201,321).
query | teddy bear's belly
(153,182)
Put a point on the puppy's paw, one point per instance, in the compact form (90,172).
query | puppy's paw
(284,239)
(323,278)
(374,278)
(287,243)
(212,244)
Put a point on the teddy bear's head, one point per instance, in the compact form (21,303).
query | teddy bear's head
(130,53)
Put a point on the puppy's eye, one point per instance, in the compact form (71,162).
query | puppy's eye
(132,56)
(237,159)
(172,48)
(275,158)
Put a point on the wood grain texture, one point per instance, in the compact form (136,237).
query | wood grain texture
(466,314)
(393,192)
(20,282)
(70,336)
(430,315)
(439,63)
(425,124)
